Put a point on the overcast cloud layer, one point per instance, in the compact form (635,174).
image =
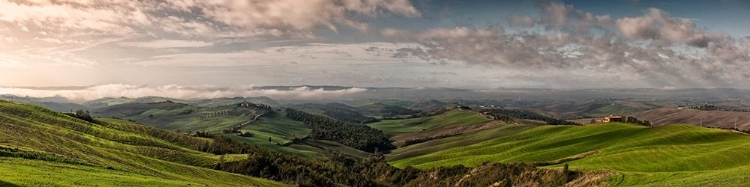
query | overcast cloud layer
(366,43)
(175,91)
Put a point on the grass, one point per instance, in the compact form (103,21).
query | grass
(453,118)
(675,155)
(281,130)
(329,145)
(182,117)
(278,127)
(56,149)
(296,150)
(455,141)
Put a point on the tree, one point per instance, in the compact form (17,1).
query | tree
(84,115)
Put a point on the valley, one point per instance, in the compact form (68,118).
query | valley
(404,142)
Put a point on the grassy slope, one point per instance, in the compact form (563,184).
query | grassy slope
(672,115)
(185,118)
(113,153)
(278,127)
(281,130)
(453,118)
(659,156)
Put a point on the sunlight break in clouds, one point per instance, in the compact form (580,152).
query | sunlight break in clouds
(173,91)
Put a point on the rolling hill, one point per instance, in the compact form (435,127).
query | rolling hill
(673,155)
(670,115)
(449,123)
(39,147)
(385,111)
(338,111)
(183,117)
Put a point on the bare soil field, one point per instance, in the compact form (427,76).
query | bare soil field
(724,119)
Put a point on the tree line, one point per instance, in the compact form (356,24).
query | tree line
(347,114)
(356,136)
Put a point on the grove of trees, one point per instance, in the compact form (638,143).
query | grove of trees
(360,137)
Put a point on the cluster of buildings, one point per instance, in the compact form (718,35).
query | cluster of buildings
(610,119)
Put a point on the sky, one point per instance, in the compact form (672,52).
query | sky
(479,44)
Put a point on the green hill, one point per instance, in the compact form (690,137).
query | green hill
(39,147)
(183,117)
(338,111)
(450,119)
(385,111)
(450,123)
(676,155)
(280,130)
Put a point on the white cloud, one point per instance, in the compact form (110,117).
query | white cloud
(660,26)
(308,54)
(645,49)
(160,44)
(281,16)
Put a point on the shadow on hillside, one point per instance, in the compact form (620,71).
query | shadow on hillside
(6,184)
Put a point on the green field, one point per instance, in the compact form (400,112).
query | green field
(659,156)
(39,147)
(278,127)
(453,118)
(182,117)
(281,130)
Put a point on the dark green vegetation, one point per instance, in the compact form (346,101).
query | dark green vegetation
(338,111)
(346,113)
(41,147)
(353,135)
(386,111)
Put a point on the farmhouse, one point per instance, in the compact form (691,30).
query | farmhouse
(613,118)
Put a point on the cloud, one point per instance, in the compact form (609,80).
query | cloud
(48,29)
(523,21)
(659,26)
(312,54)
(161,44)
(561,16)
(174,91)
(199,18)
(281,16)
(8,61)
(655,49)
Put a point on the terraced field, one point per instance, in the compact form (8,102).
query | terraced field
(660,156)
(41,147)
